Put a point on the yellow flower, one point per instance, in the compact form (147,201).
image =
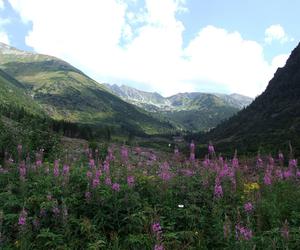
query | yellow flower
(17,243)
(248,187)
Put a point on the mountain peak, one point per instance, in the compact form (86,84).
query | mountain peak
(7,49)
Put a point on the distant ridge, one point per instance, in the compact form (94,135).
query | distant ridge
(189,111)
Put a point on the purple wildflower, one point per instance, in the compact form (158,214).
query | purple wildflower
(287,174)
(218,190)
(280,156)
(158,247)
(92,163)
(279,174)
(124,154)
(211,149)
(267,179)
(96,182)
(108,181)
(248,207)
(22,218)
(116,187)
(243,233)
(130,181)
(55,211)
(87,196)
(156,228)
(22,171)
(293,163)
(89,175)
(66,170)
(56,168)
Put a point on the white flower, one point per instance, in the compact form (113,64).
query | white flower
(181,206)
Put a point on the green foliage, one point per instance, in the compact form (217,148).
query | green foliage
(60,215)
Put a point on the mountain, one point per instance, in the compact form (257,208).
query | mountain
(66,93)
(272,121)
(189,111)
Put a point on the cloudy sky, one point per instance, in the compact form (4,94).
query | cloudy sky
(168,46)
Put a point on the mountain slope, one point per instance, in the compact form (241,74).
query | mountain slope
(188,111)
(67,93)
(272,120)
(13,93)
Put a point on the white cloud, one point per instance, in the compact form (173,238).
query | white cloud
(111,43)
(4,37)
(276,33)
(279,61)
(1,4)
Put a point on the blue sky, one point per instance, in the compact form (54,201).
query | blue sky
(167,46)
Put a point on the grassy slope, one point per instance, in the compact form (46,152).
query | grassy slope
(67,93)
(204,112)
(12,93)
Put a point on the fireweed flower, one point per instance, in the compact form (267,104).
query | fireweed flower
(211,149)
(243,233)
(218,190)
(267,179)
(22,218)
(116,187)
(235,162)
(192,156)
(279,174)
(130,181)
(96,182)
(259,162)
(55,211)
(106,167)
(66,170)
(92,163)
(280,156)
(124,154)
(22,171)
(108,181)
(248,207)
(287,173)
(87,196)
(89,175)
(56,168)
(293,163)
(156,228)
(110,156)
(192,146)
(158,247)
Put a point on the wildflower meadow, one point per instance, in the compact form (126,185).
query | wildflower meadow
(136,198)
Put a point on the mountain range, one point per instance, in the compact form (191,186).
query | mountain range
(66,93)
(45,86)
(189,111)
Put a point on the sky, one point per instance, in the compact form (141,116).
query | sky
(167,46)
